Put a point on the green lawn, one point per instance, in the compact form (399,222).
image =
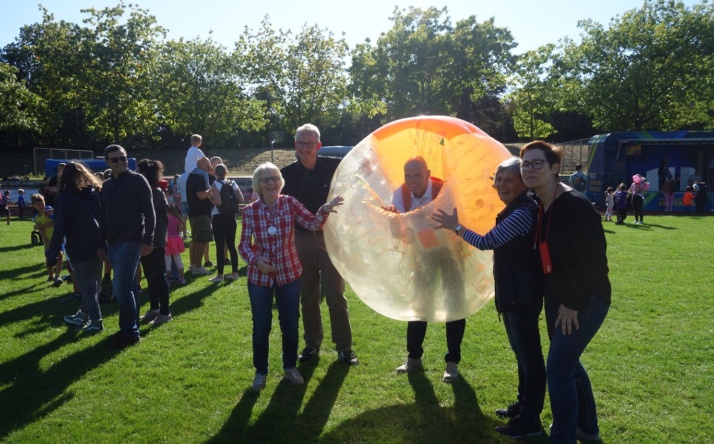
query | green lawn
(188,381)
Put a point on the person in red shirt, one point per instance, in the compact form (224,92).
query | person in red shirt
(688,200)
(267,244)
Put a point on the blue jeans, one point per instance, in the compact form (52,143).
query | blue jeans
(287,298)
(87,274)
(571,395)
(524,336)
(124,257)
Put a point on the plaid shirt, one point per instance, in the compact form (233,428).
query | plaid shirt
(279,248)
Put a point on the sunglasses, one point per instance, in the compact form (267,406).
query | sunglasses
(117,159)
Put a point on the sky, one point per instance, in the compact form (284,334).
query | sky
(532,23)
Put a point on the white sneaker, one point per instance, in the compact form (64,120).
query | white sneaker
(200,271)
(161,319)
(216,279)
(150,315)
(293,376)
(410,365)
(451,373)
(259,382)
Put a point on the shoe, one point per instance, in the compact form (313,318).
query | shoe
(207,264)
(72,297)
(216,279)
(120,341)
(191,268)
(150,315)
(451,373)
(292,375)
(259,382)
(231,277)
(227,262)
(50,279)
(182,281)
(348,357)
(57,282)
(200,271)
(93,327)
(161,319)
(410,365)
(516,428)
(308,354)
(77,319)
(582,436)
(511,411)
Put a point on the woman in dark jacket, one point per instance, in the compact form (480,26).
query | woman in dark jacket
(153,263)
(518,292)
(77,211)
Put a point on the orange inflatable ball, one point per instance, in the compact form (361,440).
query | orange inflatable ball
(399,264)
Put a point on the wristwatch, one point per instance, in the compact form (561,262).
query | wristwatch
(457,229)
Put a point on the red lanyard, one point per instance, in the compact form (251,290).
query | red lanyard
(538,239)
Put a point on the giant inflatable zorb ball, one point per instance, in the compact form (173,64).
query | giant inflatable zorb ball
(399,264)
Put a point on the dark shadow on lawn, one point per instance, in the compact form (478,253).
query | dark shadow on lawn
(31,393)
(17,247)
(280,421)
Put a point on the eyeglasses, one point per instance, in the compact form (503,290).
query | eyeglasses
(117,159)
(536,165)
(267,180)
(302,144)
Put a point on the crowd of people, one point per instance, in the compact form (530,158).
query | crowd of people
(549,255)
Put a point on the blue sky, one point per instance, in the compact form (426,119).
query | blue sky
(532,23)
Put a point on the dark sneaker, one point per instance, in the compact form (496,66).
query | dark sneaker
(511,411)
(259,382)
(77,319)
(348,357)
(207,264)
(586,437)
(93,327)
(515,428)
(227,262)
(57,282)
(307,354)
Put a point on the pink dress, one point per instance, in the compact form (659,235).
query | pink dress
(174,244)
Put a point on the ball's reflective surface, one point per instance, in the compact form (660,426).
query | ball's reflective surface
(398,264)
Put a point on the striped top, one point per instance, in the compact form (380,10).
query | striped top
(518,223)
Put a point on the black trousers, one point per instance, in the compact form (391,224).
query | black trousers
(224,233)
(155,274)
(416,332)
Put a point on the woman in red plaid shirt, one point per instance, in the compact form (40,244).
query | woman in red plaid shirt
(267,244)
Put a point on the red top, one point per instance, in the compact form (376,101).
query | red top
(257,241)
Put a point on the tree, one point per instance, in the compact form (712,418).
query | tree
(121,53)
(653,68)
(533,95)
(200,89)
(425,65)
(14,101)
(303,74)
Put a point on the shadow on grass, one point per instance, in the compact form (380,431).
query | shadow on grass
(17,247)
(280,421)
(31,393)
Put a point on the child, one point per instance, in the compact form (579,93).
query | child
(174,243)
(4,206)
(21,202)
(45,225)
(609,203)
(688,200)
(621,199)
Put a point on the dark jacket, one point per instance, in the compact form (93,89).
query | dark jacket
(128,210)
(516,265)
(76,217)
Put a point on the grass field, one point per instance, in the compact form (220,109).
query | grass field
(188,381)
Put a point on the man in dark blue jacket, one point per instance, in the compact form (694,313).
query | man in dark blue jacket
(126,232)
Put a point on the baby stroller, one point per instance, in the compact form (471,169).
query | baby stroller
(35,238)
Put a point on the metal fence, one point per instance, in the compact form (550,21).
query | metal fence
(574,152)
(42,154)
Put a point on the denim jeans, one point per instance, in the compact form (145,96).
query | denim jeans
(571,395)
(155,275)
(416,332)
(287,298)
(524,336)
(124,258)
(87,275)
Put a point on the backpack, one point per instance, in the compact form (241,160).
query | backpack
(229,201)
(580,183)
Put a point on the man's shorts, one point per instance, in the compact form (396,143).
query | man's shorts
(201,229)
